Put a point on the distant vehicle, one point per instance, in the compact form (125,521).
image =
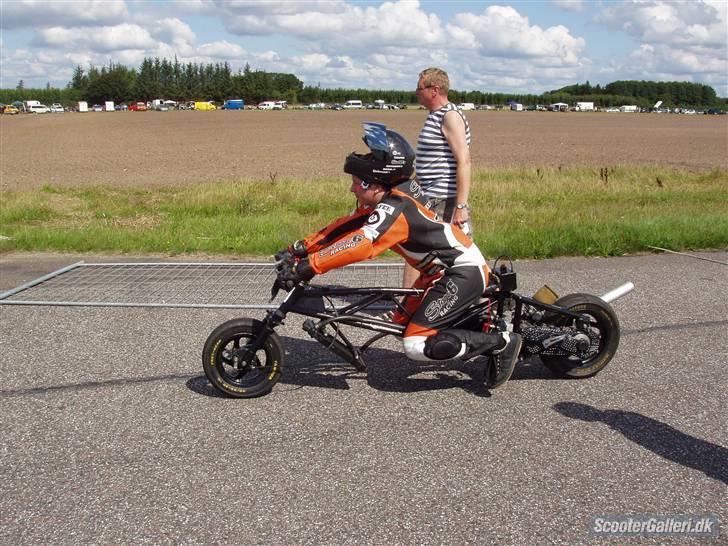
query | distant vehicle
(39,109)
(234,104)
(336,106)
(517,107)
(28,103)
(97,108)
(584,107)
(484,107)
(714,112)
(466,106)
(10,109)
(138,106)
(353,105)
(55,107)
(316,106)
(269,105)
(204,106)
(531,108)
(632,108)
(612,109)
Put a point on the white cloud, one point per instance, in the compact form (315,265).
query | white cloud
(99,39)
(39,13)
(503,32)
(681,40)
(173,31)
(569,5)
(221,50)
(336,26)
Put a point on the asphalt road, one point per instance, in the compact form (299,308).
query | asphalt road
(111,434)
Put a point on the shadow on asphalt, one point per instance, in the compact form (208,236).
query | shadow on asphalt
(660,438)
(309,364)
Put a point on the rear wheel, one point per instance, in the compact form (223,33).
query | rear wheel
(235,374)
(602,329)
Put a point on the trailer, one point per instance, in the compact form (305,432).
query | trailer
(82,106)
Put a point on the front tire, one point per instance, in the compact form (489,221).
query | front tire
(233,376)
(604,330)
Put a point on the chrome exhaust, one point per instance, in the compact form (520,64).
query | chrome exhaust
(618,292)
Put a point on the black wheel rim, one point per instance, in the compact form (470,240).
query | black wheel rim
(242,373)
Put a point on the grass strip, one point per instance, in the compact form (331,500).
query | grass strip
(536,213)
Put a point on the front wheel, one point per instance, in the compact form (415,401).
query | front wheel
(230,371)
(602,329)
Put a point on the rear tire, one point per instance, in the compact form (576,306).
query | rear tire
(604,322)
(242,379)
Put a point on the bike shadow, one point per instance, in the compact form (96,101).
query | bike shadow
(660,438)
(309,364)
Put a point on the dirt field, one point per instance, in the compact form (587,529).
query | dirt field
(163,148)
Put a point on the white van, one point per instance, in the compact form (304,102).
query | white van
(269,105)
(39,109)
(353,105)
(466,106)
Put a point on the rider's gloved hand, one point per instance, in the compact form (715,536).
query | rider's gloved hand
(297,249)
(291,272)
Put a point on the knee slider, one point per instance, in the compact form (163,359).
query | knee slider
(443,346)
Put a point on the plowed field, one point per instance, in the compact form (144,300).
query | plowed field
(163,148)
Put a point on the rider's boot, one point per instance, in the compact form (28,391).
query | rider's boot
(503,348)
(503,361)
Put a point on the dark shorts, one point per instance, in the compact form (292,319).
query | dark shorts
(448,297)
(445,208)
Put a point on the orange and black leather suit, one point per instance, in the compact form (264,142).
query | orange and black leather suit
(452,269)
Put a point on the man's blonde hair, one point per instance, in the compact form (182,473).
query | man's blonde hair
(436,77)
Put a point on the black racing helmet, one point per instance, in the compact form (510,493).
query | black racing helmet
(390,161)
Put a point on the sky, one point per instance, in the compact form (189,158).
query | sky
(509,46)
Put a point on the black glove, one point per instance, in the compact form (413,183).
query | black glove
(290,273)
(297,249)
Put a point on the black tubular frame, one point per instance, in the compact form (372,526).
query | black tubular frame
(308,300)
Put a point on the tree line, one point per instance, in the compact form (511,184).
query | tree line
(167,79)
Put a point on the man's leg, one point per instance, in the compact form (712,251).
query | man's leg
(427,337)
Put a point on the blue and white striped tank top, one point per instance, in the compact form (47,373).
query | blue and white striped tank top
(435,164)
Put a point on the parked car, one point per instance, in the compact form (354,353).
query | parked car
(316,106)
(55,107)
(97,108)
(39,109)
(714,112)
(10,109)
(337,107)
(138,106)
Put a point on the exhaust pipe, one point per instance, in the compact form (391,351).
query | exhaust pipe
(618,292)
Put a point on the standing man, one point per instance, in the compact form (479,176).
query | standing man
(443,155)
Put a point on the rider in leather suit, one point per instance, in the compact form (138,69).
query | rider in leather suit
(392,214)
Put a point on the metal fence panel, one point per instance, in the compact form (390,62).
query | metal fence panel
(171,284)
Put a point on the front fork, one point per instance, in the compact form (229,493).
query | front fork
(272,320)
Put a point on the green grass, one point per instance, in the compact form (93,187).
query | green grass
(520,212)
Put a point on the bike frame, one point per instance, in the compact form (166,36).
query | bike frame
(309,300)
